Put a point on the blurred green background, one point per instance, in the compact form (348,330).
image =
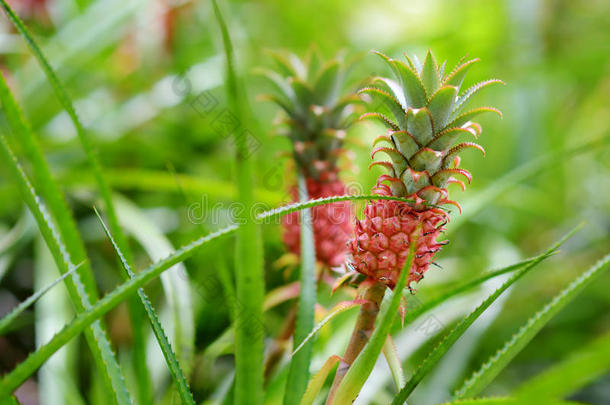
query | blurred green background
(147,77)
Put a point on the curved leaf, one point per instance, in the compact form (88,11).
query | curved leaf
(435,355)
(481,378)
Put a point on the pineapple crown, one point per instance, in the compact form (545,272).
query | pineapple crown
(423,111)
(317,113)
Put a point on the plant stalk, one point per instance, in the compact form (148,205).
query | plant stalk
(365,324)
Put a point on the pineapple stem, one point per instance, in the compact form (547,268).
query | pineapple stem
(365,324)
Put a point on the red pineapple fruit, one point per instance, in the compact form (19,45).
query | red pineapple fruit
(427,120)
(331,222)
(425,106)
(316,117)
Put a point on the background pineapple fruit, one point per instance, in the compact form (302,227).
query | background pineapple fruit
(316,118)
(423,111)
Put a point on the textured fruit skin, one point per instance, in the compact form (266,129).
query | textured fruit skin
(332,224)
(382,239)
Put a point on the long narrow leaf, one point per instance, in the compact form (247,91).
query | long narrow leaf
(391,356)
(489,370)
(448,341)
(443,297)
(580,368)
(166,347)
(298,373)
(96,336)
(10,317)
(315,385)
(249,331)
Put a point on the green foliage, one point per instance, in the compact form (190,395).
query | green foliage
(480,379)
(435,355)
(166,348)
(116,95)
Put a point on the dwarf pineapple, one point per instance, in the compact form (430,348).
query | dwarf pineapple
(424,123)
(316,118)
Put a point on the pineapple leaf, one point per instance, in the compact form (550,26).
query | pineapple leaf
(313,60)
(405,143)
(429,74)
(413,180)
(426,159)
(394,88)
(417,65)
(441,71)
(282,63)
(437,353)
(412,87)
(389,101)
(316,382)
(579,369)
(391,356)
(420,125)
(332,313)
(457,290)
(298,372)
(298,66)
(467,116)
(326,87)
(463,98)
(489,370)
(289,109)
(280,84)
(381,118)
(456,78)
(304,94)
(447,137)
(441,178)
(250,287)
(411,64)
(441,105)
(398,160)
(7,319)
(455,151)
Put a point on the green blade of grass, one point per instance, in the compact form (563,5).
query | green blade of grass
(249,327)
(6,320)
(12,380)
(172,362)
(490,369)
(79,293)
(435,355)
(363,365)
(580,368)
(298,373)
